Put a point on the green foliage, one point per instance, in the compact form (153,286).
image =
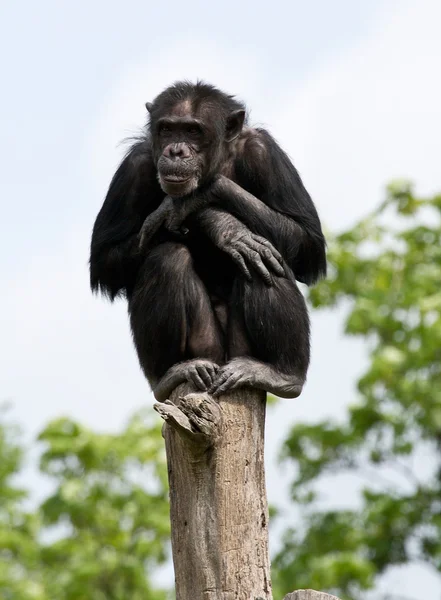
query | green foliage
(388,270)
(104,527)
(18,529)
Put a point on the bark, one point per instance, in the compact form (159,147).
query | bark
(218,505)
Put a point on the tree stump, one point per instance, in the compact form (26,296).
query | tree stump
(218,504)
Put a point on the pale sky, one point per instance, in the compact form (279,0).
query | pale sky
(351,90)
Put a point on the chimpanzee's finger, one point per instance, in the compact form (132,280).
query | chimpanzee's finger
(204,375)
(238,259)
(236,382)
(272,262)
(265,242)
(228,384)
(221,376)
(212,370)
(196,379)
(266,252)
(267,255)
(257,263)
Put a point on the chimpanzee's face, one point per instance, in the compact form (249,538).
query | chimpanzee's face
(182,143)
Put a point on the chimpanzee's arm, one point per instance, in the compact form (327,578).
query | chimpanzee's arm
(280,229)
(295,232)
(249,251)
(279,208)
(172,212)
(133,194)
(226,232)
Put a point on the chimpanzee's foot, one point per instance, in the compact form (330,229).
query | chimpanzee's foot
(200,372)
(244,371)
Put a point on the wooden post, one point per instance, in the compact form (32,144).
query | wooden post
(218,505)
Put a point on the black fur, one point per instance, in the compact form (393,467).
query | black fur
(270,176)
(187,298)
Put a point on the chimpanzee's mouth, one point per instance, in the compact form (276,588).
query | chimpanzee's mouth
(175,179)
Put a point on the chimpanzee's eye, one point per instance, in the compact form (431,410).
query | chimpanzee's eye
(164,129)
(194,131)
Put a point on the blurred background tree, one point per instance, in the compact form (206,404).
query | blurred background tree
(19,549)
(104,529)
(387,269)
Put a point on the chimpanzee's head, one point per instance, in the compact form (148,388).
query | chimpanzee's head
(192,127)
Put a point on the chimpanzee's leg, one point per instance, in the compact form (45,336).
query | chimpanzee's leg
(268,338)
(172,321)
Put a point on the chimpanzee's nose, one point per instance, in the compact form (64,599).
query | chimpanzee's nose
(178,150)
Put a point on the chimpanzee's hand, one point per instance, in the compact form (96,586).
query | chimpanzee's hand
(246,248)
(183,208)
(173,221)
(154,221)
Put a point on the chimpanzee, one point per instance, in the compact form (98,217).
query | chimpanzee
(205,229)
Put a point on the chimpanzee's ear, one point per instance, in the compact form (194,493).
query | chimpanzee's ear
(149,106)
(235,123)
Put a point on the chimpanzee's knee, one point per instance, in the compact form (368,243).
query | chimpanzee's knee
(169,259)
(275,321)
(170,312)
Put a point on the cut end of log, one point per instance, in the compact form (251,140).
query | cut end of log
(196,417)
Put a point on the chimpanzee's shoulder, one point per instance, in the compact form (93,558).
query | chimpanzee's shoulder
(253,143)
